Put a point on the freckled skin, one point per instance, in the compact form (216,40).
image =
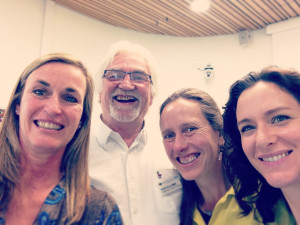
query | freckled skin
(180,118)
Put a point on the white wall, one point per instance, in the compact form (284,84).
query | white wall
(21,24)
(285,43)
(33,27)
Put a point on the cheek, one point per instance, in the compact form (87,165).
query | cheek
(108,88)
(248,146)
(75,114)
(27,106)
(168,149)
(291,134)
(145,93)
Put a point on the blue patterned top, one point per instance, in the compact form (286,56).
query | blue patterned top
(101,209)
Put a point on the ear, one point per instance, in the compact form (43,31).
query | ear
(221,140)
(18,109)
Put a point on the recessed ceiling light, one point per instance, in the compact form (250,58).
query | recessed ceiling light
(200,5)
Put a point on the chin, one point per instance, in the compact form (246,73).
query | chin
(282,181)
(188,177)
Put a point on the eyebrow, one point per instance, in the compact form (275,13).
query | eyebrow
(44,83)
(166,131)
(48,85)
(243,121)
(70,90)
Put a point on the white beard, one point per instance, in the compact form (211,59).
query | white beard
(125,114)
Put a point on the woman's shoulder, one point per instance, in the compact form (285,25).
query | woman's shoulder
(101,208)
(99,198)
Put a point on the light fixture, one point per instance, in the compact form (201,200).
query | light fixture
(207,70)
(200,5)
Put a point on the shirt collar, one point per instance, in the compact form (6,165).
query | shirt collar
(105,135)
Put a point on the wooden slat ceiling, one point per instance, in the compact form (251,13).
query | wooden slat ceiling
(174,17)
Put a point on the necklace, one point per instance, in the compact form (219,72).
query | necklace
(207,212)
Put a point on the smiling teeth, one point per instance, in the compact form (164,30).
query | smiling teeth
(275,158)
(124,98)
(50,126)
(187,160)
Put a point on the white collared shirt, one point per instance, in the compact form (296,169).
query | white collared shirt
(130,175)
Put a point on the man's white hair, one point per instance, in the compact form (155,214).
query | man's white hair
(126,46)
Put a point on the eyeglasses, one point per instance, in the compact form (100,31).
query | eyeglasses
(118,75)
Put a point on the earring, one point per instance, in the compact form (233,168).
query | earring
(220,155)
(79,125)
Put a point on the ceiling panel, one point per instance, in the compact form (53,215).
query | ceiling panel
(174,17)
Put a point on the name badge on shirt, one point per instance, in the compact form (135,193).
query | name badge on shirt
(168,181)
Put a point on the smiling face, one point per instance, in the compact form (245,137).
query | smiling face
(51,108)
(269,123)
(125,101)
(190,142)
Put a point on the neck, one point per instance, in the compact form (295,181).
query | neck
(43,172)
(291,194)
(212,188)
(128,131)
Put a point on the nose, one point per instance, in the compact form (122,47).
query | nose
(53,105)
(265,137)
(126,83)
(180,144)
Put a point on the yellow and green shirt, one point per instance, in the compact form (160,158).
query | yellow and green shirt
(227,211)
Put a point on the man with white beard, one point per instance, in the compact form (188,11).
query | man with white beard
(121,160)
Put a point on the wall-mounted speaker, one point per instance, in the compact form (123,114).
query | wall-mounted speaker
(244,37)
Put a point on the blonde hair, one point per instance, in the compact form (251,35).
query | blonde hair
(74,161)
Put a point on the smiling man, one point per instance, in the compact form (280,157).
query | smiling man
(121,159)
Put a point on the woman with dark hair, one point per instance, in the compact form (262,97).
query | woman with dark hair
(44,141)
(192,128)
(262,138)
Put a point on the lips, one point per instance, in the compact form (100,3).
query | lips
(188,159)
(48,125)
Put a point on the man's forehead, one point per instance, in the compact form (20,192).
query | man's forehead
(129,61)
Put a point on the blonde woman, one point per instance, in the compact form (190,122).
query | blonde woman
(44,147)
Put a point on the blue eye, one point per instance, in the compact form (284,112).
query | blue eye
(39,92)
(70,98)
(246,128)
(139,76)
(188,131)
(114,74)
(169,136)
(279,118)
